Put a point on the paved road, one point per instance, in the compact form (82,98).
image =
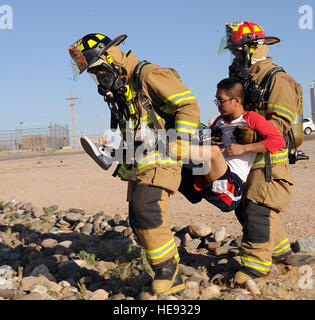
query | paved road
(310,137)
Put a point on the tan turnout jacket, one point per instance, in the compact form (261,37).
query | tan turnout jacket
(167,93)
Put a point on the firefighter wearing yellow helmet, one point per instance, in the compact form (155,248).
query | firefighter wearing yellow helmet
(140,103)
(269,185)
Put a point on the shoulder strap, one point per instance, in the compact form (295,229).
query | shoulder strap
(147,104)
(136,75)
(266,81)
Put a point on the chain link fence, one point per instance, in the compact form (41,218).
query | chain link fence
(51,138)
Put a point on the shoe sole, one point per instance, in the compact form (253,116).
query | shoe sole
(92,151)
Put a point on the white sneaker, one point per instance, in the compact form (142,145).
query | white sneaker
(100,153)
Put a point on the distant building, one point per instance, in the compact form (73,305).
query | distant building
(39,142)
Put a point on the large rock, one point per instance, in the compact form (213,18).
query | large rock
(220,234)
(87,228)
(193,244)
(67,270)
(77,210)
(199,230)
(6,277)
(99,295)
(51,209)
(252,286)
(27,282)
(306,244)
(40,269)
(49,243)
(38,288)
(27,207)
(32,296)
(72,217)
(210,292)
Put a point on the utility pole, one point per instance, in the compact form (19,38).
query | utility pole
(21,133)
(73,120)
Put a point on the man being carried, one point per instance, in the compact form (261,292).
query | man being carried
(223,184)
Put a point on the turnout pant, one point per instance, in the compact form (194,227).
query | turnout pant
(149,219)
(264,238)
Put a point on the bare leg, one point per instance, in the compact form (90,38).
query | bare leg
(214,158)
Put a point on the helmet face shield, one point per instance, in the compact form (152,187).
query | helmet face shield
(223,46)
(88,50)
(78,61)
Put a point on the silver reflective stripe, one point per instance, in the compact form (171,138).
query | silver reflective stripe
(255,264)
(162,251)
(282,247)
(176,99)
(281,111)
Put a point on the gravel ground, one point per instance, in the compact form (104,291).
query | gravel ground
(73,179)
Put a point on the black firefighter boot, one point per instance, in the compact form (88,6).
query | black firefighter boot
(167,278)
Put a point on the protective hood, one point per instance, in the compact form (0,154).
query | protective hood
(125,63)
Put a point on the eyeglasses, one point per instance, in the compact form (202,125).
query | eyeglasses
(219,103)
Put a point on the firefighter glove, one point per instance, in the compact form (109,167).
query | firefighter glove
(245,135)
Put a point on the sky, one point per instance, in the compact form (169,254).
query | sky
(35,69)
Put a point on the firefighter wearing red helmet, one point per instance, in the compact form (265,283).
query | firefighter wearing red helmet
(269,185)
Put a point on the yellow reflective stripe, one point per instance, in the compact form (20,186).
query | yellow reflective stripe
(249,262)
(256,28)
(281,250)
(281,243)
(282,246)
(128,96)
(161,248)
(92,43)
(275,158)
(132,109)
(109,59)
(156,158)
(162,251)
(159,161)
(282,111)
(185,130)
(188,123)
(100,36)
(185,99)
(185,126)
(177,98)
(176,95)
(246,30)
(124,172)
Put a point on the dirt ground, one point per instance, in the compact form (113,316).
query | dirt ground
(72,179)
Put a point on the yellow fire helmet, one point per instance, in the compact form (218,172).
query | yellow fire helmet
(88,50)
